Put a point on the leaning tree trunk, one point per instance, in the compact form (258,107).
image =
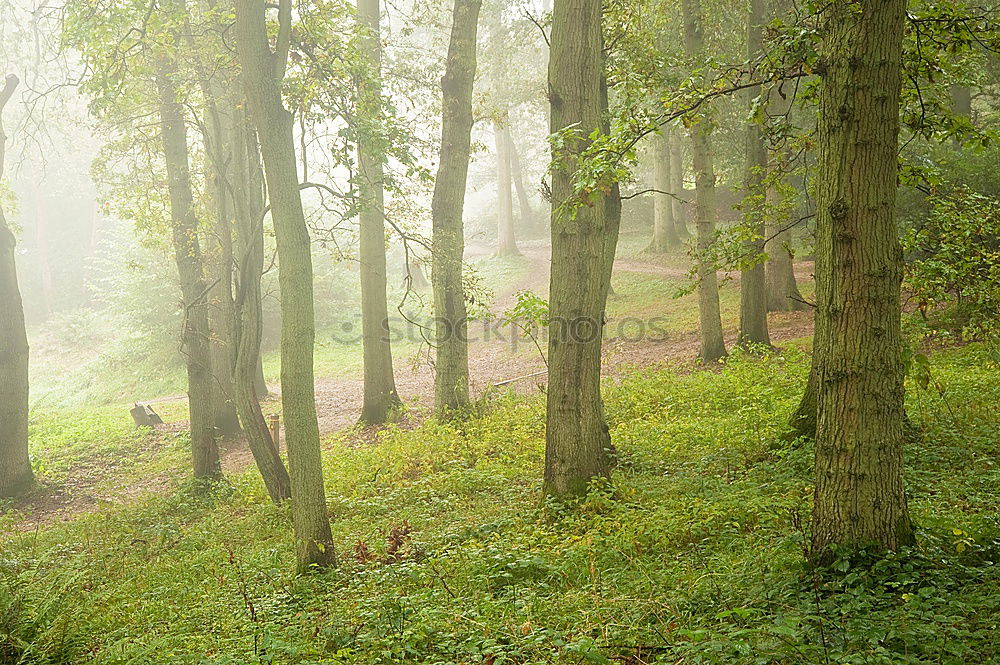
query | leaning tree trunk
(506,242)
(248,195)
(577,441)
(451,377)
(380,397)
(188,256)
(263,71)
(15,467)
(517,173)
(665,234)
(713,346)
(859,496)
(753,285)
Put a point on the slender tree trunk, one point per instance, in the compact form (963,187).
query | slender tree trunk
(188,256)
(15,467)
(577,441)
(859,496)
(380,397)
(451,379)
(665,235)
(263,71)
(517,173)
(676,148)
(753,285)
(713,346)
(506,243)
(248,195)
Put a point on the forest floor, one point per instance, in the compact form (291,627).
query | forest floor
(643,286)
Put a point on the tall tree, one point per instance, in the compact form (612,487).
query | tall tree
(263,70)
(584,234)
(678,202)
(753,285)
(859,496)
(451,377)
(380,396)
(15,467)
(187,252)
(506,242)
(713,346)
(517,173)
(665,234)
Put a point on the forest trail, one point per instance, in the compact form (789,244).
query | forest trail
(338,400)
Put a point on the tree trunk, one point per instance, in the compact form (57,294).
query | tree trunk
(517,173)
(15,467)
(380,397)
(451,378)
(665,235)
(248,195)
(859,496)
(188,256)
(753,286)
(677,186)
(577,441)
(263,71)
(713,346)
(506,243)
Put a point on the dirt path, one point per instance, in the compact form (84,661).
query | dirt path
(491,361)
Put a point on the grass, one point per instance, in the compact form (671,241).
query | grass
(692,554)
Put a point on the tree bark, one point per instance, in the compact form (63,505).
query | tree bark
(188,256)
(677,177)
(506,242)
(713,346)
(517,173)
(451,377)
(665,236)
(380,397)
(15,467)
(859,497)
(753,285)
(584,235)
(263,71)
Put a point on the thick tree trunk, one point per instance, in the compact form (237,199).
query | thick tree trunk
(263,71)
(188,256)
(584,233)
(380,397)
(859,496)
(451,378)
(713,346)
(665,236)
(248,195)
(517,173)
(677,185)
(506,242)
(753,286)
(15,467)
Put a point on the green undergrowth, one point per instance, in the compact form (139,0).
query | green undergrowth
(693,553)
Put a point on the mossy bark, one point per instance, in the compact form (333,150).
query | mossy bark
(859,497)
(451,376)
(263,71)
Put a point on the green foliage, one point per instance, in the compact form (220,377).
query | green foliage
(692,554)
(955,264)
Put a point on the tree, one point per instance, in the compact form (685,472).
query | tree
(859,496)
(380,396)
(713,346)
(188,256)
(584,236)
(263,71)
(451,377)
(665,234)
(678,202)
(506,242)
(753,286)
(15,467)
